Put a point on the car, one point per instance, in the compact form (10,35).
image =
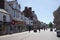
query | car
(55,30)
(51,29)
(58,33)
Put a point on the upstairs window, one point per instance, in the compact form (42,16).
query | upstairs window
(4,18)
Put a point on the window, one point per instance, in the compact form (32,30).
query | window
(4,18)
(31,22)
(22,17)
(14,13)
(0,27)
(11,28)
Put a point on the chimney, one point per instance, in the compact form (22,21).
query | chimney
(26,7)
(2,2)
(30,8)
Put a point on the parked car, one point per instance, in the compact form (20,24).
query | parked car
(58,33)
(55,30)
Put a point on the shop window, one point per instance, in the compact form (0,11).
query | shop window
(31,22)
(11,28)
(0,27)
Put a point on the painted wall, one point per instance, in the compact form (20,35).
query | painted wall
(9,9)
(7,16)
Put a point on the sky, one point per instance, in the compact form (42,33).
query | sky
(43,8)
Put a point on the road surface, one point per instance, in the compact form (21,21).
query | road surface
(43,35)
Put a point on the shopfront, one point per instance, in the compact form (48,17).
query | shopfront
(1,27)
(18,26)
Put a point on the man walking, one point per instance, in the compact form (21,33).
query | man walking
(39,29)
(29,28)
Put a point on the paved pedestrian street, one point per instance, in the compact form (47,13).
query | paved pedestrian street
(43,35)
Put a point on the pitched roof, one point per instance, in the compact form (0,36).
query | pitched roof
(2,10)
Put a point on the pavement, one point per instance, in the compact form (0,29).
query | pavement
(42,35)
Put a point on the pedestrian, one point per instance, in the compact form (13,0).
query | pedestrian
(44,28)
(29,28)
(39,29)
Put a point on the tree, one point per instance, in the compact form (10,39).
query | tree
(50,25)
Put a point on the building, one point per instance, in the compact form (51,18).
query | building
(32,17)
(17,16)
(4,22)
(4,18)
(17,23)
(56,15)
(12,20)
(38,24)
(28,12)
(35,20)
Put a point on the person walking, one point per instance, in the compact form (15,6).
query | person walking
(39,29)
(29,28)
(44,28)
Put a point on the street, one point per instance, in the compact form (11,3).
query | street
(43,35)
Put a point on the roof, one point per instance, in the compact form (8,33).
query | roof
(11,2)
(2,10)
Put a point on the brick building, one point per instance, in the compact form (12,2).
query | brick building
(56,15)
